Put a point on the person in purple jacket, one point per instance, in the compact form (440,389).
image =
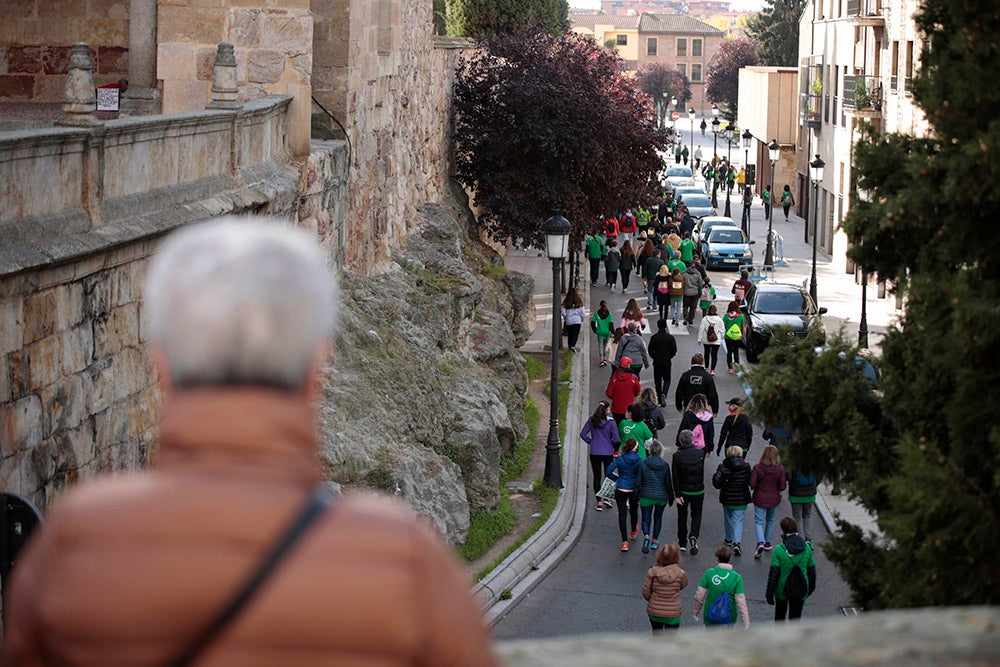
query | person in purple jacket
(601,433)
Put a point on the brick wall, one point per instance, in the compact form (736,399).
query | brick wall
(35,41)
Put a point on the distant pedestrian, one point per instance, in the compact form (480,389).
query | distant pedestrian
(698,419)
(611,228)
(662,589)
(624,469)
(697,158)
(573,314)
(676,296)
(595,253)
(733,321)
(787,590)
(601,433)
(626,265)
(696,380)
(627,225)
(633,347)
(802,496)
(736,428)
(765,198)
(692,291)
(623,387)
(612,260)
(661,288)
(685,153)
(711,333)
(633,313)
(688,470)
(787,200)
(656,491)
(634,426)
(707,296)
(662,349)
(704,126)
(742,287)
(721,581)
(732,479)
(650,410)
(602,323)
(767,480)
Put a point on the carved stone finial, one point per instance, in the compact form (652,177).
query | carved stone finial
(224,88)
(80,98)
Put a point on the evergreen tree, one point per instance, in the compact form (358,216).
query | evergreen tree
(552,121)
(776,29)
(934,478)
(484,18)
(723,73)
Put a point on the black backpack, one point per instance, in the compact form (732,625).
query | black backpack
(796,587)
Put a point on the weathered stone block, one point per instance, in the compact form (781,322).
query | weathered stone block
(131,373)
(3,57)
(79,445)
(244,27)
(112,9)
(205,64)
(175,61)
(285,32)
(21,424)
(63,405)
(112,60)
(104,31)
(118,330)
(265,66)
(11,325)
(98,385)
(56,309)
(55,59)
(46,362)
(18,372)
(78,349)
(24,59)
(18,8)
(17,86)
(191,26)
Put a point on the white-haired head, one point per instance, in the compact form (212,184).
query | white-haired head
(240,300)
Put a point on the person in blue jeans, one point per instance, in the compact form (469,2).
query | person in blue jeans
(732,479)
(768,480)
(655,492)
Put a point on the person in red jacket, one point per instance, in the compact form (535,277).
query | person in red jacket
(622,389)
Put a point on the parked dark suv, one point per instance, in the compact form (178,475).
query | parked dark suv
(773,305)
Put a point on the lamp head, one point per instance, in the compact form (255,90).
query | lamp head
(557,229)
(816,168)
(774,150)
(715,110)
(747,138)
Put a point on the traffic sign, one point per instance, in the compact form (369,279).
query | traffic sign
(675,116)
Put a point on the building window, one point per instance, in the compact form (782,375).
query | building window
(621,40)
(682,68)
(695,72)
(696,48)
(650,46)
(682,47)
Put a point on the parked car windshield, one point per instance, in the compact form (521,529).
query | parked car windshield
(781,303)
(678,171)
(696,201)
(724,235)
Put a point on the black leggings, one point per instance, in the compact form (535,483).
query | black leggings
(732,352)
(572,334)
(793,607)
(626,275)
(711,356)
(663,626)
(627,502)
(598,464)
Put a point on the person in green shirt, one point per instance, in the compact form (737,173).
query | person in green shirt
(633,426)
(686,248)
(602,323)
(765,197)
(717,581)
(787,200)
(794,553)
(733,322)
(642,218)
(595,253)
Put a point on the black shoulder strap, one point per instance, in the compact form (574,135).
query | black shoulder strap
(317,503)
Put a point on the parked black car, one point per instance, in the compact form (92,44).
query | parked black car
(771,306)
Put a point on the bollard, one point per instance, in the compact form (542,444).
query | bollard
(80,98)
(224,88)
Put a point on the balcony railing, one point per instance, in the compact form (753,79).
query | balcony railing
(862,92)
(810,110)
(864,8)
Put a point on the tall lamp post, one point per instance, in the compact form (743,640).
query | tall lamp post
(691,115)
(864,196)
(663,116)
(728,134)
(715,155)
(816,171)
(773,152)
(747,138)
(556,229)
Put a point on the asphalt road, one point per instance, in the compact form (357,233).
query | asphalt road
(597,588)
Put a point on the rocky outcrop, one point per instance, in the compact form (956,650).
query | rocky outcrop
(427,366)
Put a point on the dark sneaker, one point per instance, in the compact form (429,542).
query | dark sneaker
(727,543)
(654,546)
(767,546)
(759,551)
(737,550)
(694,546)
(683,549)
(600,506)
(645,545)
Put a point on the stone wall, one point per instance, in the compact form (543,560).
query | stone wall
(35,41)
(273,44)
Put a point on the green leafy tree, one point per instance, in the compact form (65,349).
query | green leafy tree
(776,29)
(484,18)
(662,83)
(927,224)
(551,121)
(723,73)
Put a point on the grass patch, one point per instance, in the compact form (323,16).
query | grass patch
(512,465)
(534,368)
(549,498)
(488,526)
(495,271)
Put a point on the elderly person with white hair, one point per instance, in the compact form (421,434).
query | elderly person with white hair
(228,549)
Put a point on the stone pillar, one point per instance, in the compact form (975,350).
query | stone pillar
(80,99)
(224,87)
(143,97)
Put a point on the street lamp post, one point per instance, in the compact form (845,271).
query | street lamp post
(715,155)
(728,134)
(556,229)
(816,169)
(691,115)
(863,195)
(747,138)
(774,152)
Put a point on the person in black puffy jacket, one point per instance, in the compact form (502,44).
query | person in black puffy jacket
(736,429)
(732,479)
(688,471)
(655,492)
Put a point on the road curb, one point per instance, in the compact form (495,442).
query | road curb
(523,569)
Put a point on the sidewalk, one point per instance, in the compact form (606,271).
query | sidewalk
(500,591)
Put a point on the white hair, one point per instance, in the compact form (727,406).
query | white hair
(240,300)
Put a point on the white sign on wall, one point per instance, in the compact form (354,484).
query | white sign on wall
(108,99)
